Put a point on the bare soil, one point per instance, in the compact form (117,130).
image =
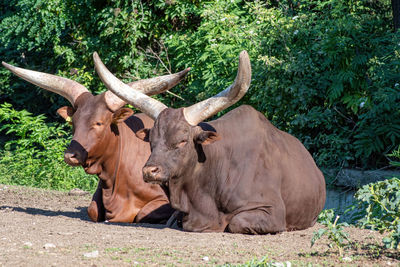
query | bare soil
(50,228)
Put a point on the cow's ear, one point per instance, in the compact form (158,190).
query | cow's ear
(66,113)
(207,137)
(143,134)
(121,114)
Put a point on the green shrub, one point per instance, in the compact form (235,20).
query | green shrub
(34,155)
(381,203)
(325,71)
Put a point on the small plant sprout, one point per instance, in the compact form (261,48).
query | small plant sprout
(334,231)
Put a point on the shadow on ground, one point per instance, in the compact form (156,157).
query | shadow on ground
(81,214)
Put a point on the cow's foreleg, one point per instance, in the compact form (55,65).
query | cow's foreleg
(263,220)
(156,211)
(96,209)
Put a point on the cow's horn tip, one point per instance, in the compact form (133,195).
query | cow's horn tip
(244,54)
(185,71)
(95,55)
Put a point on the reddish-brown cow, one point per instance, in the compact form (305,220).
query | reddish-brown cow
(104,143)
(237,173)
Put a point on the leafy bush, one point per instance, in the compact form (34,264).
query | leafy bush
(59,37)
(381,203)
(325,71)
(334,231)
(34,155)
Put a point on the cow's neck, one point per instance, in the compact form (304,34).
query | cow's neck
(197,193)
(110,161)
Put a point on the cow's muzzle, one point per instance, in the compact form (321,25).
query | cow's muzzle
(75,154)
(70,159)
(153,174)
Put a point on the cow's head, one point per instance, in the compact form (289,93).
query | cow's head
(94,125)
(176,145)
(176,138)
(94,117)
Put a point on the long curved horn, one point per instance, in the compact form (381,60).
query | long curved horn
(159,84)
(146,104)
(150,86)
(209,107)
(67,88)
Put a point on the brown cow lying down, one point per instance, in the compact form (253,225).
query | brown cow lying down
(238,173)
(105,144)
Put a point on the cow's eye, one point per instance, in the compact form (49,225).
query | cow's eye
(180,144)
(99,123)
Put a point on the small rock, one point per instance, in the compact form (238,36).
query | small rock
(93,254)
(28,244)
(347,259)
(49,246)
(135,263)
(65,233)
(205,258)
(77,192)
(283,264)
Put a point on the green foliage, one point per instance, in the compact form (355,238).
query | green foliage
(59,37)
(325,71)
(34,155)
(381,203)
(396,155)
(334,231)
(380,206)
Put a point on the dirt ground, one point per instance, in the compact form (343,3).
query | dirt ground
(51,228)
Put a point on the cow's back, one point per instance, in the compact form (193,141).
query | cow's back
(262,164)
(303,185)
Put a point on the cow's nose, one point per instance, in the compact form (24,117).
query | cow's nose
(71,159)
(150,172)
(153,170)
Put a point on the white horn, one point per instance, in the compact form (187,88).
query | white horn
(150,86)
(67,88)
(159,84)
(211,106)
(146,104)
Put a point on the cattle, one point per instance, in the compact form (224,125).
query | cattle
(104,143)
(238,173)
